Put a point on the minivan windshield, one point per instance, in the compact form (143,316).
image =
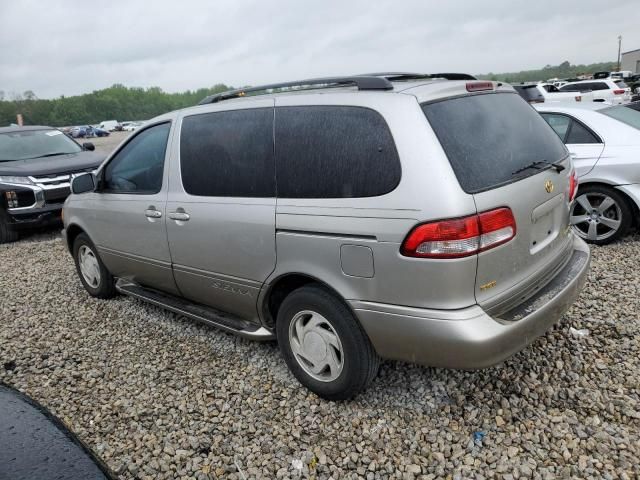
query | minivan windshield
(32,144)
(624,114)
(493,139)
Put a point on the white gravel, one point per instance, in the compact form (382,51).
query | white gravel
(160,397)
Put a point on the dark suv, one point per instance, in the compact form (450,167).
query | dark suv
(36,168)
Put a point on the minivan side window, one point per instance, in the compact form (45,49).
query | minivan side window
(138,167)
(334,152)
(228,154)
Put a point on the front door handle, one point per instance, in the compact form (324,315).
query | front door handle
(153,213)
(179,216)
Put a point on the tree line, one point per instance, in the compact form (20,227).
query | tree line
(564,70)
(114,103)
(131,103)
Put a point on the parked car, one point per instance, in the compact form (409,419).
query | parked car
(109,125)
(131,126)
(36,166)
(414,219)
(614,92)
(605,144)
(547,92)
(622,75)
(530,93)
(100,132)
(88,131)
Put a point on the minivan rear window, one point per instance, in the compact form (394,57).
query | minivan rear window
(489,137)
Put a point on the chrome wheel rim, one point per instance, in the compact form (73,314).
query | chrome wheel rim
(596,216)
(89,267)
(316,346)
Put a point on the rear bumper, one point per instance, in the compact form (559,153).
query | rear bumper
(469,338)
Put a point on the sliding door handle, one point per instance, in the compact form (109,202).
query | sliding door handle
(179,216)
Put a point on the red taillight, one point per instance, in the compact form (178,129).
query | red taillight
(479,86)
(618,92)
(460,237)
(573,185)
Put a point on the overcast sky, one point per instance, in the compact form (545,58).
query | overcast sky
(70,47)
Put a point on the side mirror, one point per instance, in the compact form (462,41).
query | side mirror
(88,146)
(83,183)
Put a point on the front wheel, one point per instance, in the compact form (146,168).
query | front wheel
(94,276)
(600,215)
(323,344)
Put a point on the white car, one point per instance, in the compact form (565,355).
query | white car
(607,90)
(108,125)
(604,142)
(551,93)
(130,126)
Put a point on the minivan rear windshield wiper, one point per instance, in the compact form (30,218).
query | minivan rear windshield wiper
(50,155)
(540,164)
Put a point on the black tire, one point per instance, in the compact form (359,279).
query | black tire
(360,362)
(105,287)
(621,212)
(6,234)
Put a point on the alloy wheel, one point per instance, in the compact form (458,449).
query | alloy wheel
(595,216)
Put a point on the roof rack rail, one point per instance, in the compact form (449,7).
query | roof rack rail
(363,82)
(391,76)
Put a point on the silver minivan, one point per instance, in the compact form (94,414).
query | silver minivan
(421,218)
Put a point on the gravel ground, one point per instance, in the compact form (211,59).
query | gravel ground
(106,144)
(159,397)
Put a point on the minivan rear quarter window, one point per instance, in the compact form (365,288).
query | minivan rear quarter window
(488,137)
(334,152)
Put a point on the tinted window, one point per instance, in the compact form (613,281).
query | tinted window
(228,154)
(529,93)
(138,167)
(578,133)
(334,152)
(488,137)
(582,87)
(620,83)
(559,123)
(575,88)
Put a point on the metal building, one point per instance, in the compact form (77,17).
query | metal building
(631,61)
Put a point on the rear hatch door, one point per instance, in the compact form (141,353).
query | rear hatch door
(506,155)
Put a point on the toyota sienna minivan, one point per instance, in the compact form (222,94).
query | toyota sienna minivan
(413,217)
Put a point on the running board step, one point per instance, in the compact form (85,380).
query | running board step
(200,313)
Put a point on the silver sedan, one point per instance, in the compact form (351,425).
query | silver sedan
(605,145)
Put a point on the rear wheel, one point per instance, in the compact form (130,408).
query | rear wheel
(94,276)
(324,345)
(600,215)
(6,234)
